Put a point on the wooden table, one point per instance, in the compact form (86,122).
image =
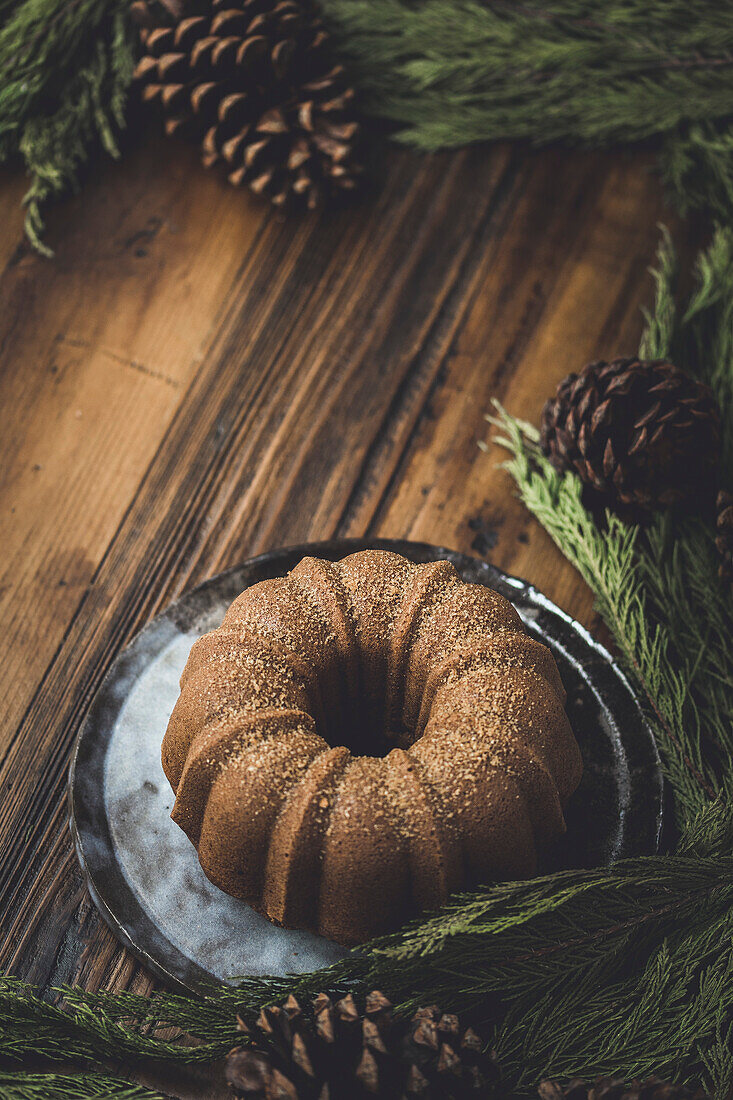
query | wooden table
(193,380)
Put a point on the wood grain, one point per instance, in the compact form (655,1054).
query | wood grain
(193,380)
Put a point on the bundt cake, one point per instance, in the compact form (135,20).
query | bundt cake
(360,738)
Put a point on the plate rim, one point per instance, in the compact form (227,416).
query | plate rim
(190,977)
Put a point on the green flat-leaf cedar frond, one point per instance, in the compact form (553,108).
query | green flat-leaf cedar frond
(59,1086)
(66,66)
(556,950)
(451,71)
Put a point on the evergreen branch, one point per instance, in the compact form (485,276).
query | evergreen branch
(66,70)
(92,1028)
(452,72)
(609,562)
(666,1019)
(697,166)
(467,71)
(55,146)
(532,945)
(57,1086)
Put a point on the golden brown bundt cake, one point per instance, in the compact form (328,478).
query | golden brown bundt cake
(360,738)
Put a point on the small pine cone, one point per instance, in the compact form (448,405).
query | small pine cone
(641,435)
(611,1088)
(724,534)
(252,81)
(334,1051)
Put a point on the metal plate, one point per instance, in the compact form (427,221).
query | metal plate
(143,873)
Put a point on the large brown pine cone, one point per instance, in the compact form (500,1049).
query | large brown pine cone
(334,1051)
(610,1088)
(642,435)
(255,83)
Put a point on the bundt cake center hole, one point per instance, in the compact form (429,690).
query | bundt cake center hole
(364,732)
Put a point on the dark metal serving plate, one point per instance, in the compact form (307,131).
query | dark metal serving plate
(143,873)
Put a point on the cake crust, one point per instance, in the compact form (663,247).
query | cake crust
(359,739)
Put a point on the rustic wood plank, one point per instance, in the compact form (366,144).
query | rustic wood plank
(91,371)
(330,377)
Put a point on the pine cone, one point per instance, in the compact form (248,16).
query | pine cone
(253,82)
(724,539)
(334,1052)
(610,1088)
(641,435)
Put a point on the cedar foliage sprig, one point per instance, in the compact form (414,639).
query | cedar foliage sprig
(450,72)
(555,950)
(67,1086)
(66,66)
(447,72)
